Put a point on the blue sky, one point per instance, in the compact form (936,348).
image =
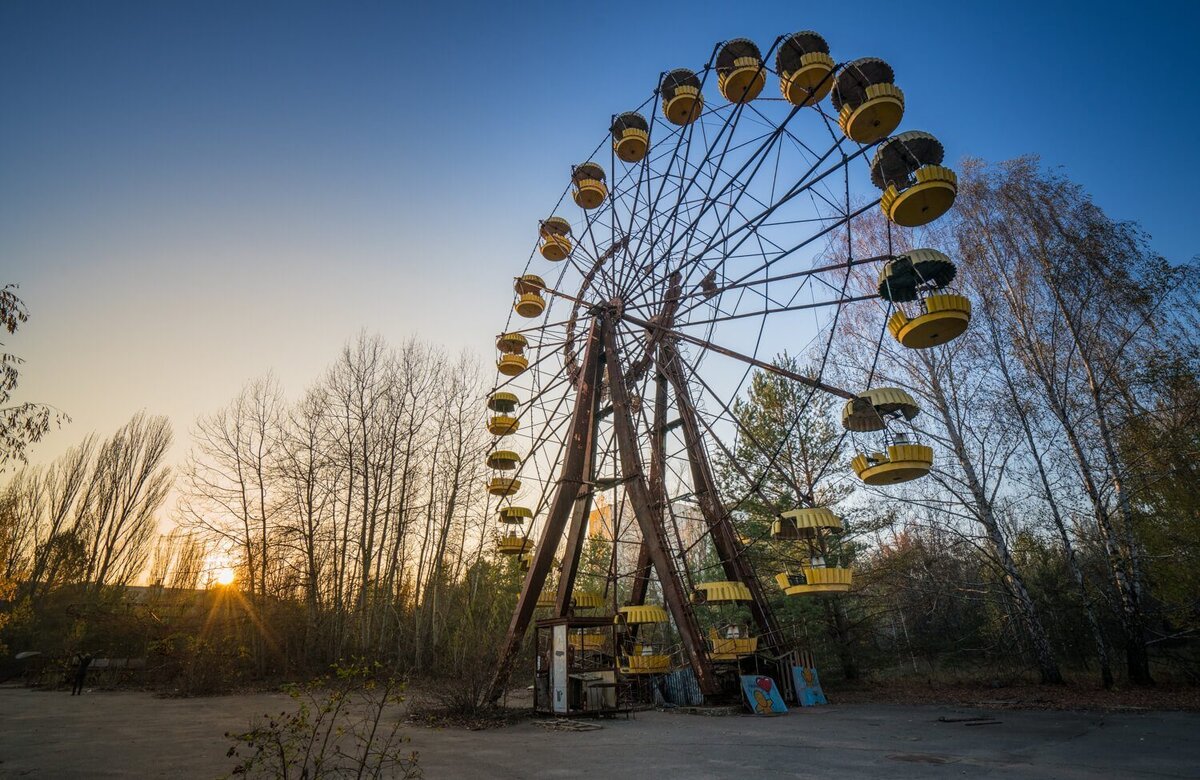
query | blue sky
(192,193)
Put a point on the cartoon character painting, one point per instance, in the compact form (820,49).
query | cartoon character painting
(808,686)
(762,694)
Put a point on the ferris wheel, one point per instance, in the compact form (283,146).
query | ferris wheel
(709,230)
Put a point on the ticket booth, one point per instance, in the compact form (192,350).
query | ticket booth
(576,667)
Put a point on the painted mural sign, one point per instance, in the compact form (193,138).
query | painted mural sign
(762,694)
(808,686)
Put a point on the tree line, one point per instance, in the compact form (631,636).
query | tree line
(1065,429)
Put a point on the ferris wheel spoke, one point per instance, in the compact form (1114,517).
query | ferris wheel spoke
(552,434)
(800,186)
(743,431)
(809,180)
(709,200)
(539,328)
(698,168)
(682,141)
(772,279)
(806,242)
(757,157)
(750,228)
(711,347)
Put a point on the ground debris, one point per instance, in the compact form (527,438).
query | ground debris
(480,720)
(566,724)
(709,710)
(968,721)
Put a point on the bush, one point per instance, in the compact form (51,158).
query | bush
(200,666)
(337,730)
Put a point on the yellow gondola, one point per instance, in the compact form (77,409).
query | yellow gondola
(888,410)
(511,362)
(917,188)
(921,277)
(513,544)
(501,401)
(871,409)
(631,136)
(514,514)
(869,105)
(641,614)
(943,317)
(812,528)
(682,102)
(590,189)
(504,486)
(730,648)
(529,283)
(512,365)
(642,660)
(525,560)
(503,460)
(721,591)
(530,305)
(511,343)
(556,243)
(503,425)
(805,68)
(741,74)
(808,523)
(586,600)
(529,295)
(815,580)
(900,463)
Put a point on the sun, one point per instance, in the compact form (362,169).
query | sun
(220,570)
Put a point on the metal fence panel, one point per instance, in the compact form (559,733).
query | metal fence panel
(681,688)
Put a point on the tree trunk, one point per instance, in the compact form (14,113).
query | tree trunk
(1073,567)
(985,515)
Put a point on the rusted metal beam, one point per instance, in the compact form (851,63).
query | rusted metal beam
(729,547)
(577,531)
(641,578)
(571,481)
(651,526)
(658,457)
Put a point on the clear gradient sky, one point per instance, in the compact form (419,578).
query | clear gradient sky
(193,193)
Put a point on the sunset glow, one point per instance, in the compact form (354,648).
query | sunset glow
(220,570)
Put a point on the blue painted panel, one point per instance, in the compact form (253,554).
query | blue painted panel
(808,686)
(762,694)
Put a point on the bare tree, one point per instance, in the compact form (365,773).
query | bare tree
(128,485)
(178,560)
(956,384)
(1055,266)
(65,482)
(228,486)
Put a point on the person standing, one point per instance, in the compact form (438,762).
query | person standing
(85,660)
